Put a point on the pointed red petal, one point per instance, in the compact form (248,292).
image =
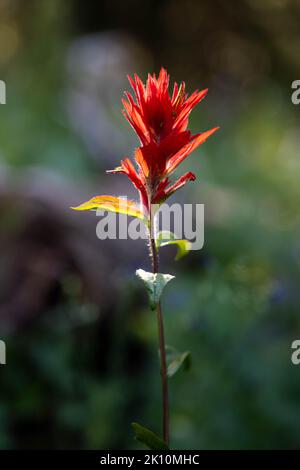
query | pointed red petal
(187,106)
(180,182)
(189,148)
(163,193)
(141,161)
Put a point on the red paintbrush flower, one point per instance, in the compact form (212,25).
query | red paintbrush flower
(160,121)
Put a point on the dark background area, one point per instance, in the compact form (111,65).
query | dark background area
(82,359)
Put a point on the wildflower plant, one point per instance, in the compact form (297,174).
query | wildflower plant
(160,121)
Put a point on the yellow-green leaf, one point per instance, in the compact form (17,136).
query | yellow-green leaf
(166,238)
(112,204)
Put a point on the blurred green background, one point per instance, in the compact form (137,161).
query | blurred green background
(82,359)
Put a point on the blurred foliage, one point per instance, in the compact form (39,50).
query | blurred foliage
(79,372)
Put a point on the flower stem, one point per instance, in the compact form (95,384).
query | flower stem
(162,346)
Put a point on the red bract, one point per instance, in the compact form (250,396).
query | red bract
(160,121)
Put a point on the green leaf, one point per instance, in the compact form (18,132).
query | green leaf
(147,437)
(177,360)
(155,284)
(166,238)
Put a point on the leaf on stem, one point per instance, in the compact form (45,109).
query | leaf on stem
(149,438)
(155,284)
(166,238)
(177,360)
(112,204)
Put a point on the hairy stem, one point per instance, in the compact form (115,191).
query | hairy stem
(162,346)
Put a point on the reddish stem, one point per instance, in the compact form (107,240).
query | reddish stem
(162,347)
